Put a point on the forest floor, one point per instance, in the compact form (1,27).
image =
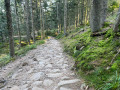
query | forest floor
(45,68)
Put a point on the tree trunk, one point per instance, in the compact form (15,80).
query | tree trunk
(10,28)
(24,15)
(82,12)
(75,22)
(41,21)
(17,22)
(65,17)
(78,17)
(32,20)
(58,17)
(43,24)
(27,20)
(117,23)
(36,18)
(95,16)
(103,11)
(98,14)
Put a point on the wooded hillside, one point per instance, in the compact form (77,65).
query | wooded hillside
(88,29)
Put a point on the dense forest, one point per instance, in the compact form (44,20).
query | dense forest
(88,29)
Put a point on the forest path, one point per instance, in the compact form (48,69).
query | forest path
(45,68)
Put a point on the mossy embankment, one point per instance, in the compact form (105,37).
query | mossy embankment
(93,56)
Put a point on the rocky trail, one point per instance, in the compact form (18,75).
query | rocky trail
(45,68)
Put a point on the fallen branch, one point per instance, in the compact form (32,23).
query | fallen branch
(98,33)
(115,57)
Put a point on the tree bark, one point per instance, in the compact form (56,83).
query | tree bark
(82,12)
(117,23)
(32,20)
(103,11)
(27,20)
(10,28)
(17,22)
(41,21)
(95,16)
(58,17)
(65,17)
(36,18)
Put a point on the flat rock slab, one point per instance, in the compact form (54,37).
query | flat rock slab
(62,88)
(37,76)
(47,82)
(49,66)
(37,83)
(65,82)
(37,88)
(54,75)
(15,88)
(42,64)
(55,70)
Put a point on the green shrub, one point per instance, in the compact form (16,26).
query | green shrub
(116,65)
(113,83)
(59,36)
(38,37)
(94,59)
(113,6)
(5,60)
(106,24)
(109,33)
(25,49)
(51,33)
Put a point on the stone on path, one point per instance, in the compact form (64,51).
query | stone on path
(24,87)
(30,71)
(37,76)
(15,88)
(47,82)
(66,82)
(54,75)
(83,86)
(42,64)
(62,88)
(55,70)
(65,78)
(37,88)
(49,66)
(14,76)
(37,83)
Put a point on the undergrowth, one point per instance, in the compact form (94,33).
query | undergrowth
(93,56)
(5,58)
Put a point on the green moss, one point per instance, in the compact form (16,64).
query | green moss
(76,53)
(51,33)
(109,33)
(116,65)
(5,60)
(106,24)
(94,59)
(59,36)
(38,37)
(113,6)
